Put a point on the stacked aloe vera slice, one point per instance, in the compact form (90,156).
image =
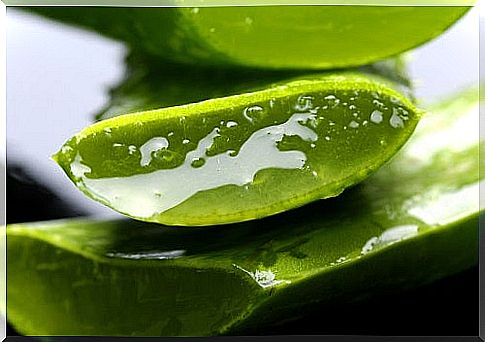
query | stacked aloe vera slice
(299,178)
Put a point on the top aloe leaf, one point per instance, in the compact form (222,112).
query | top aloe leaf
(299,37)
(244,156)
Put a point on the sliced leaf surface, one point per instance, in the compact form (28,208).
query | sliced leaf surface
(412,222)
(150,84)
(241,157)
(316,37)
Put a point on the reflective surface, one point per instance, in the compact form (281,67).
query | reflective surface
(76,68)
(319,37)
(237,158)
(236,277)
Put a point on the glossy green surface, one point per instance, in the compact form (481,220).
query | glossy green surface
(300,37)
(412,222)
(150,84)
(242,157)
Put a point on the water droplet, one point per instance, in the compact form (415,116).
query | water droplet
(395,121)
(312,145)
(365,123)
(327,138)
(263,278)
(78,169)
(152,145)
(170,134)
(352,107)
(332,100)
(251,113)
(403,114)
(118,145)
(185,141)
(369,245)
(66,149)
(231,124)
(341,259)
(304,103)
(314,173)
(389,237)
(376,117)
(378,104)
(331,123)
(353,124)
(195,10)
(107,130)
(355,115)
(132,149)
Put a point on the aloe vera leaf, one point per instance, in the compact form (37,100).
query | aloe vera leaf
(241,157)
(413,222)
(149,84)
(316,37)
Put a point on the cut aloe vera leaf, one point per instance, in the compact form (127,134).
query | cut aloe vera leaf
(315,37)
(411,223)
(150,84)
(241,157)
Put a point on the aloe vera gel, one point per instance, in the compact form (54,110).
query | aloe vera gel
(241,157)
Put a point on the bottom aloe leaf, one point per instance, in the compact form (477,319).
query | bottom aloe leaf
(413,222)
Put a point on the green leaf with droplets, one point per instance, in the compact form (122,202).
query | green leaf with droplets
(241,157)
(295,37)
(149,84)
(411,223)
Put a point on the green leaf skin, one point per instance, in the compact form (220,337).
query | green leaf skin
(411,223)
(150,84)
(241,157)
(290,37)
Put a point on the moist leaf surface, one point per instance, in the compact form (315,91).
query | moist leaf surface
(242,157)
(412,222)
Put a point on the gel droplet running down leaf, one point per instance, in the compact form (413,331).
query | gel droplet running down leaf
(411,223)
(290,37)
(241,157)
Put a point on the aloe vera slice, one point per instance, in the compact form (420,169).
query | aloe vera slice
(411,223)
(316,37)
(241,157)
